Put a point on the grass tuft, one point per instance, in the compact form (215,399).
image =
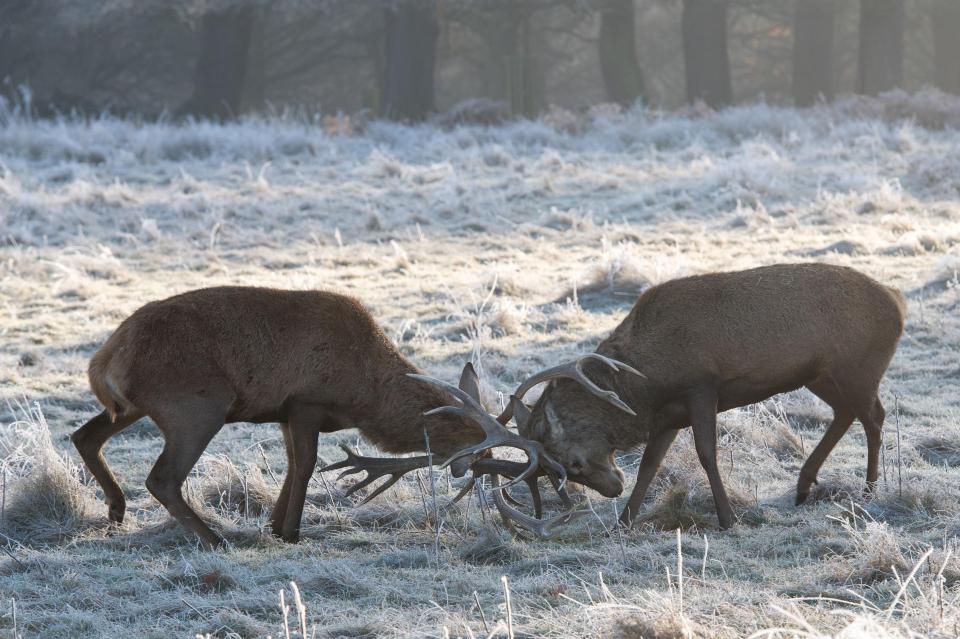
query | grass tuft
(49,502)
(490,548)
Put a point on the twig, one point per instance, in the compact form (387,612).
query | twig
(433,495)
(246,495)
(267,464)
(19,563)
(896,408)
(483,617)
(481,500)
(16,630)
(906,583)
(195,609)
(495,631)
(336,507)
(703,568)
(301,610)
(680,568)
(616,525)
(506,595)
(883,460)
(285,609)
(423,496)
(941,581)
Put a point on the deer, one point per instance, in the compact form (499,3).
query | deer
(708,343)
(314,362)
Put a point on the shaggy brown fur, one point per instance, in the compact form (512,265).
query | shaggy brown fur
(714,342)
(311,360)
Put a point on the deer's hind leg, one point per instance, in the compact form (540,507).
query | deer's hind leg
(187,427)
(872,420)
(847,404)
(89,440)
(279,512)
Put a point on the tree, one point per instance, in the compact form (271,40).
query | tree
(705,55)
(254,95)
(410,54)
(222,66)
(946,44)
(622,75)
(511,61)
(813,22)
(880,55)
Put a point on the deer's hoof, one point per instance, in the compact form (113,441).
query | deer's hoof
(803,488)
(116,510)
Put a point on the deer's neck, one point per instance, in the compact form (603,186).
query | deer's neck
(626,431)
(396,422)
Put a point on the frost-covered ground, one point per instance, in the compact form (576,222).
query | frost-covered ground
(471,243)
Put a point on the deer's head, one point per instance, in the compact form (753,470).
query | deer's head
(568,421)
(580,453)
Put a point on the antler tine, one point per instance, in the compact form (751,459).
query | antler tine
(531,483)
(543,529)
(375,467)
(574,370)
(510,469)
(496,433)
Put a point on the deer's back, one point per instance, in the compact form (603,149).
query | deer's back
(253,342)
(769,328)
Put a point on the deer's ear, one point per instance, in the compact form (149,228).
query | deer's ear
(521,413)
(469,382)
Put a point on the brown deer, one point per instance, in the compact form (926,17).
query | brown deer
(315,362)
(714,342)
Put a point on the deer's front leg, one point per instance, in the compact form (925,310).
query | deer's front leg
(652,457)
(703,419)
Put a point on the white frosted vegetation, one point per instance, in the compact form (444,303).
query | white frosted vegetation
(518,246)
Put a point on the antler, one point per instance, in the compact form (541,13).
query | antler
(497,434)
(542,528)
(511,469)
(574,370)
(375,467)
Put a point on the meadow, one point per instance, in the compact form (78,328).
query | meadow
(515,247)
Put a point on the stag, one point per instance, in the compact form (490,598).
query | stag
(710,343)
(313,361)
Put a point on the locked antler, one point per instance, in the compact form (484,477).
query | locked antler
(496,434)
(574,370)
(542,528)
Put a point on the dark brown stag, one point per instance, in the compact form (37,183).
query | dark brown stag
(313,361)
(714,342)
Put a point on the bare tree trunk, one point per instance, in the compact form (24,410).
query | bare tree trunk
(255,90)
(618,52)
(530,79)
(880,65)
(706,59)
(410,55)
(946,44)
(513,70)
(222,66)
(813,22)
